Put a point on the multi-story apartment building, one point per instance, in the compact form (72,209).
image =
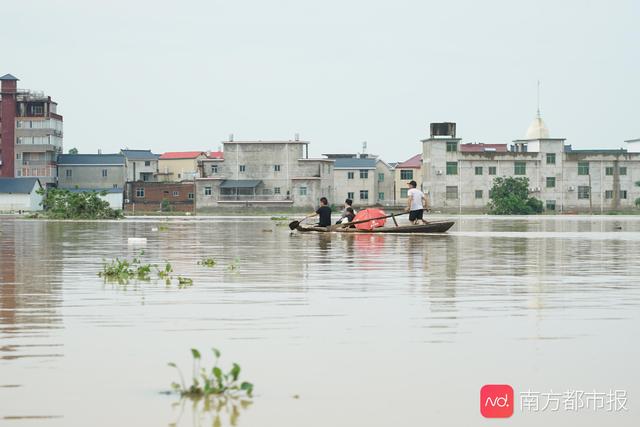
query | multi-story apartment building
(264,174)
(140,165)
(459,177)
(363,178)
(31,133)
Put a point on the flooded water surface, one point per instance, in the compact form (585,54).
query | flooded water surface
(333,330)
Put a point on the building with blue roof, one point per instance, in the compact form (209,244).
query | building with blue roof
(141,165)
(20,194)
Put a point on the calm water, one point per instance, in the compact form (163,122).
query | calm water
(390,330)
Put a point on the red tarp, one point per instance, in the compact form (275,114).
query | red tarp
(370,213)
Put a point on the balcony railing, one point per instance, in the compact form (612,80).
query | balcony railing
(254,198)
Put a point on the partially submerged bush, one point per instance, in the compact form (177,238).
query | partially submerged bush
(211,382)
(123,270)
(64,204)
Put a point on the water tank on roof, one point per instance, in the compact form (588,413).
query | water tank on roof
(443,129)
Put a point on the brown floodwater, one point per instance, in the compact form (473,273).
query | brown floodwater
(333,330)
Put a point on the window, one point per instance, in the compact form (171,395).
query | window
(406,174)
(276,168)
(18,156)
(452,146)
(68,173)
(551,160)
(492,170)
(104,173)
(551,181)
(583,192)
(207,191)
(381,196)
(478,194)
(608,194)
(276,190)
(364,194)
(351,195)
(608,170)
(364,174)
(380,177)
(583,168)
(404,193)
(115,185)
(37,110)
(176,194)
(452,192)
(303,191)
(550,205)
(623,194)
(519,168)
(243,168)
(140,192)
(452,168)
(147,163)
(349,175)
(214,169)
(623,170)
(190,196)
(478,170)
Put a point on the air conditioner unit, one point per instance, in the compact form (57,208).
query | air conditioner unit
(438,172)
(535,189)
(572,188)
(126,200)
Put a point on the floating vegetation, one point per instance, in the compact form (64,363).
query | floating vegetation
(163,228)
(235,265)
(166,271)
(207,262)
(279,218)
(211,382)
(123,270)
(184,282)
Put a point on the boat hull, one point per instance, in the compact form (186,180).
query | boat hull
(430,228)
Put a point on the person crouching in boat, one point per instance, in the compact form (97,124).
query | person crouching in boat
(349,217)
(416,204)
(324,212)
(345,212)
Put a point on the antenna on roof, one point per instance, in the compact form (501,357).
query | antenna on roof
(538,98)
(230,137)
(364,147)
(297,137)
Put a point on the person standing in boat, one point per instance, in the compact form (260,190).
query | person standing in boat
(416,204)
(324,212)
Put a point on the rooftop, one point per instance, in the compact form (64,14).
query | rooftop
(90,159)
(9,77)
(267,142)
(174,155)
(215,154)
(17,185)
(414,162)
(139,154)
(355,163)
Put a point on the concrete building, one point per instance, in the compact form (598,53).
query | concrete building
(405,172)
(363,178)
(20,194)
(140,165)
(94,172)
(270,174)
(147,196)
(31,132)
(459,178)
(180,165)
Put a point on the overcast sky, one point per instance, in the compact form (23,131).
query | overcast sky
(183,75)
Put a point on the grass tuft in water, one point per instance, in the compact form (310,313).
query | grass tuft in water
(211,382)
(184,282)
(207,262)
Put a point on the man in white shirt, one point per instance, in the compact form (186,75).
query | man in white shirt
(417,203)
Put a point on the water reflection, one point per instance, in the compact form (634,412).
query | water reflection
(212,411)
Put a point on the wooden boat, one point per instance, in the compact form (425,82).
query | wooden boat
(431,227)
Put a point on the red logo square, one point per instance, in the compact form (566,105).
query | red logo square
(496,401)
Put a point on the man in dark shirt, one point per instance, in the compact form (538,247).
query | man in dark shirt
(324,212)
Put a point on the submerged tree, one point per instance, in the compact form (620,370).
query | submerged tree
(510,196)
(63,204)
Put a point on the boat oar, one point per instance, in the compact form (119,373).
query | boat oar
(294,224)
(348,224)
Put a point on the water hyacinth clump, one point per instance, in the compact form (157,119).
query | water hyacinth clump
(211,382)
(207,262)
(124,270)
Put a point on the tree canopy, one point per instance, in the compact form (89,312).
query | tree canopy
(63,204)
(510,196)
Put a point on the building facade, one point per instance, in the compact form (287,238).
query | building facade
(363,178)
(564,179)
(405,172)
(20,194)
(179,165)
(147,196)
(266,174)
(31,133)
(94,172)
(140,165)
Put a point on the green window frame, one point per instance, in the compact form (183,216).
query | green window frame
(493,170)
(583,168)
(350,175)
(452,168)
(608,170)
(479,194)
(364,174)
(584,192)
(551,159)
(452,146)
(451,192)
(380,177)
(404,193)
(380,195)
(550,205)
(623,170)
(551,181)
(519,168)
(406,174)
(478,170)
